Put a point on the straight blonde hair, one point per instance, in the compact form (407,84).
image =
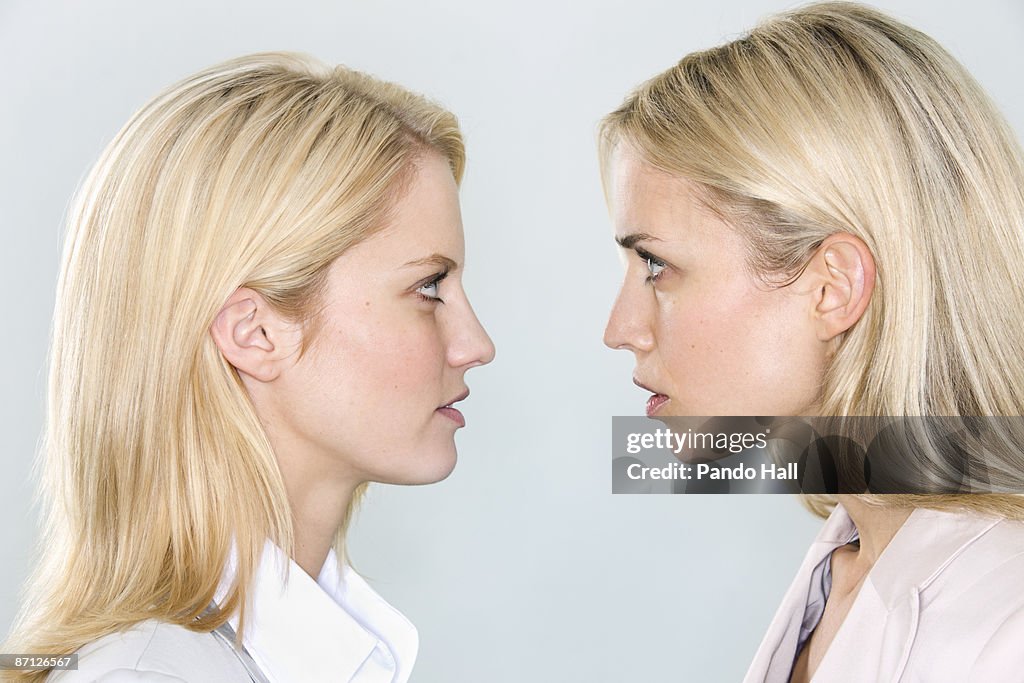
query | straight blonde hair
(257,172)
(835,117)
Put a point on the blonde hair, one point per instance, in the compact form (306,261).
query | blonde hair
(257,172)
(835,117)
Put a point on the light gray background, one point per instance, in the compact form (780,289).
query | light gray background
(521,566)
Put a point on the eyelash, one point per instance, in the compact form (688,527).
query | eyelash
(652,261)
(432,282)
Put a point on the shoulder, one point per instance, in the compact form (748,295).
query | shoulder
(154,652)
(982,576)
(1001,652)
(992,563)
(972,614)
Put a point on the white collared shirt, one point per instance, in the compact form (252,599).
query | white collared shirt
(300,630)
(336,628)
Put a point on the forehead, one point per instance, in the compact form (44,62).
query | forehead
(427,213)
(424,220)
(649,200)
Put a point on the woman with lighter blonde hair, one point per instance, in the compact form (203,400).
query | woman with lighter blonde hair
(259,312)
(825,217)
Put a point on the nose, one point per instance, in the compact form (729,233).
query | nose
(629,323)
(469,345)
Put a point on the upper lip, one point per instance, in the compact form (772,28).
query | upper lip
(460,397)
(644,386)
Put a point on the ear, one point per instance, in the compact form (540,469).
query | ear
(841,275)
(252,336)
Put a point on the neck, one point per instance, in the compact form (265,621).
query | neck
(319,489)
(317,513)
(875,525)
(319,499)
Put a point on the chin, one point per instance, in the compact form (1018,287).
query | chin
(427,467)
(441,474)
(445,466)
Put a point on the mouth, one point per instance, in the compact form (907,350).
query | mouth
(655,402)
(452,413)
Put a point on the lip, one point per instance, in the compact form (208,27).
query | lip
(460,397)
(643,386)
(655,402)
(454,414)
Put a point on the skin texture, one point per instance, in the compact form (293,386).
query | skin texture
(362,404)
(705,331)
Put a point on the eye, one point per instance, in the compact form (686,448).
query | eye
(654,265)
(428,291)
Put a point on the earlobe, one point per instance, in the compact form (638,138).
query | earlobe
(239,330)
(844,270)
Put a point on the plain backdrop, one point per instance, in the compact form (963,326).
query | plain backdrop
(521,566)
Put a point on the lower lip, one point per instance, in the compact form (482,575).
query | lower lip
(655,402)
(453,415)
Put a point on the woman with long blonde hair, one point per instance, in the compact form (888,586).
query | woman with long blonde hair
(825,217)
(259,312)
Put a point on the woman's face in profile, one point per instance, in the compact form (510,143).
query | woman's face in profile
(709,338)
(398,336)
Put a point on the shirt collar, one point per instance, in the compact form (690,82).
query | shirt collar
(921,549)
(334,628)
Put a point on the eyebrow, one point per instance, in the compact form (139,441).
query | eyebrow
(629,241)
(439,260)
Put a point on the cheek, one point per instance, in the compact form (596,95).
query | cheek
(707,327)
(702,338)
(733,349)
(392,358)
